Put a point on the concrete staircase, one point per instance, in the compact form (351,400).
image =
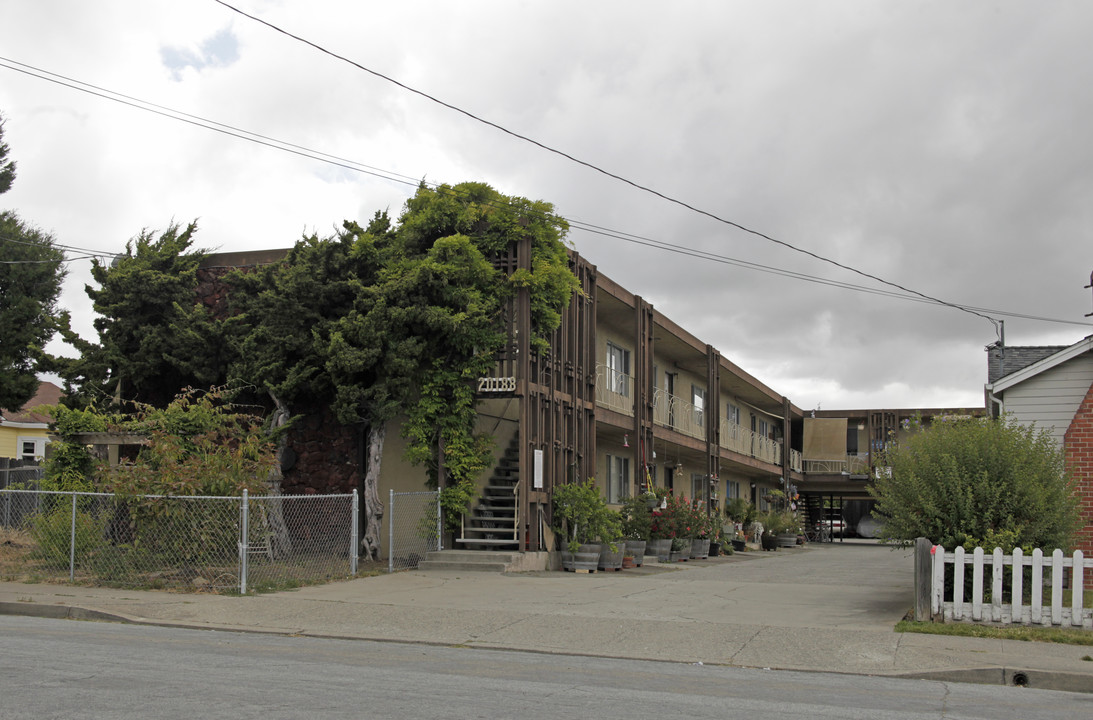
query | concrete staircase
(478,561)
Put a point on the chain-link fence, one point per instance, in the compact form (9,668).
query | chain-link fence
(413,528)
(26,477)
(238,544)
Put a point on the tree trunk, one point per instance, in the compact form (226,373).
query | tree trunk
(280,540)
(373,508)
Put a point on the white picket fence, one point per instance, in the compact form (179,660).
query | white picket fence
(974,609)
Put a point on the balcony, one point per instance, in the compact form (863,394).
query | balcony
(675,413)
(747,442)
(614,390)
(851,465)
(795,463)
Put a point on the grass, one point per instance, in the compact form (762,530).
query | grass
(1067,636)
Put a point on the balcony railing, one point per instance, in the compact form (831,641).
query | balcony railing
(614,390)
(673,412)
(852,465)
(795,460)
(748,442)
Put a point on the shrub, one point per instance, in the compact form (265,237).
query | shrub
(976,482)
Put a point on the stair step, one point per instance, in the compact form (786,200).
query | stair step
(486,541)
(510,531)
(471,567)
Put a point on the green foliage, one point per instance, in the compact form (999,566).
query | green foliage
(455,501)
(581,514)
(974,481)
(741,511)
(680,518)
(31,272)
(637,517)
(197,445)
(779,522)
(70,466)
(53,532)
(155,337)
(7,167)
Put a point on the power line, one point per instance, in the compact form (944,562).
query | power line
(243,134)
(602,171)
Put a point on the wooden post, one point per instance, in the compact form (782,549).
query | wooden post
(923,576)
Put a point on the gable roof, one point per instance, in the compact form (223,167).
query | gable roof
(47,394)
(1002,362)
(1045,363)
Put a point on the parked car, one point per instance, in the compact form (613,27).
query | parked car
(835,527)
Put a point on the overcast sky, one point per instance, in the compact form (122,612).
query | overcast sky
(940,146)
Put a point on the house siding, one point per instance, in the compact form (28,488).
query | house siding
(1051,399)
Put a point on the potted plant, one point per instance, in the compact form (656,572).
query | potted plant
(700,532)
(581,519)
(663,527)
(637,525)
(742,514)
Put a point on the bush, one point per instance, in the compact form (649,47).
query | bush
(53,531)
(581,515)
(977,482)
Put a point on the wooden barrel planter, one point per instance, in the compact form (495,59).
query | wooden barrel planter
(700,548)
(611,559)
(637,549)
(660,549)
(587,558)
(787,540)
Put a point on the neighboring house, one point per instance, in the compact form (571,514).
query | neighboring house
(24,434)
(1051,386)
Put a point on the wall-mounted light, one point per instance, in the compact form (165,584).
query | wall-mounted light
(626,441)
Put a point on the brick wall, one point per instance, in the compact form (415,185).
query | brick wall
(1078,443)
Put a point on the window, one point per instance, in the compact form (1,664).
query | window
(698,486)
(618,479)
(698,399)
(764,429)
(732,413)
(32,448)
(618,365)
(732,490)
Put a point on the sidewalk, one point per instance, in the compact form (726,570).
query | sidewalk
(824,608)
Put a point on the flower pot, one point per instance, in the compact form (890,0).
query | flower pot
(659,549)
(587,558)
(715,549)
(611,559)
(679,556)
(739,545)
(700,548)
(787,540)
(628,562)
(768,542)
(637,549)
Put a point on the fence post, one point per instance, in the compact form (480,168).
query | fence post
(353,536)
(72,543)
(923,577)
(390,531)
(439,524)
(243,545)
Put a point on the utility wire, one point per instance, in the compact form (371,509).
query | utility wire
(355,166)
(602,171)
